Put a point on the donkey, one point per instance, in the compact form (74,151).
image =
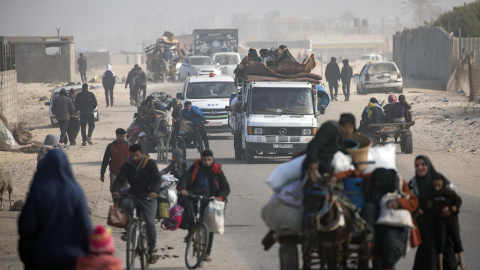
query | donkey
(163,133)
(329,225)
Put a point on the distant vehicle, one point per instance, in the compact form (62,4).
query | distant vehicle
(56,93)
(211,95)
(198,66)
(210,41)
(228,61)
(371,57)
(381,77)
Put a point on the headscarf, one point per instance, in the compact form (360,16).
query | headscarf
(178,153)
(370,106)
(109,67)
(54,168)
(424,184)
(392,99)
(51,140)
(63,92)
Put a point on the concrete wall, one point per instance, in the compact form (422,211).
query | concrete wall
(95,59)
(126,59)
(8,95)
(424,52)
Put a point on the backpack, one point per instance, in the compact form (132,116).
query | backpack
(173,222)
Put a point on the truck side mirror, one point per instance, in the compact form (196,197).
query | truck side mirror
(179,96)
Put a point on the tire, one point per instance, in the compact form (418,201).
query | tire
(408,144)
(131,246)
(288,254)
(237,145)
(196,246)
(249,155)
(145,256)
(400,91)
(183,145)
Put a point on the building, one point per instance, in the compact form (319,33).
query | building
(8,83)
(43,59)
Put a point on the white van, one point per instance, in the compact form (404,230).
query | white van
(227,61)
(211,94)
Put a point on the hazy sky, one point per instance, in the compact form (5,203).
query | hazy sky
(124,23)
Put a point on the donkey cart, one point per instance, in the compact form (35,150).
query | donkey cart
(395,130)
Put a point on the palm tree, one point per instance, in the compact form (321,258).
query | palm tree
(423,10)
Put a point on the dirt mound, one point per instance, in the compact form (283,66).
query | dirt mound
(21,134)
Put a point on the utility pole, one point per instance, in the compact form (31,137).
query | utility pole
(58,35)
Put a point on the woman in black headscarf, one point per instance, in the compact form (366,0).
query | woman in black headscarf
(426,258)
(54,225)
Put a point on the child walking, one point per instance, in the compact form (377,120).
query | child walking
(445,205)
(101,252)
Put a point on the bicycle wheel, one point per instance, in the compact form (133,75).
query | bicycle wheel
(196,246)
(132,237)
(144,249)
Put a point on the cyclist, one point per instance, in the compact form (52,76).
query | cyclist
(205,178)
(195,115)
(144,179)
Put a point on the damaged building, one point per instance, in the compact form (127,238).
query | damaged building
(43,59)
(8,83)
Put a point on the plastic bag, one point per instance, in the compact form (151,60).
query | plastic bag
(214,218)
(393,217)
(286,173)
(292,194)
(342,162)
(280,216)
(383,156)
(173,222)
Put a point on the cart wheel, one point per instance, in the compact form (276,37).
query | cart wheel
(288,254)
(407,144)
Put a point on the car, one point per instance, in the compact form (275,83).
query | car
(56,93)
(198,66)
(382,76)
(228,61)
(211,94)
(371,57)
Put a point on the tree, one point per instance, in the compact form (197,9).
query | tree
(346,19)
(466,18)
(423,10)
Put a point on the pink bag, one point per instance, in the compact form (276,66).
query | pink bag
(173,223)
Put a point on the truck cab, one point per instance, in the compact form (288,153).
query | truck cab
(274,118)
(211,94)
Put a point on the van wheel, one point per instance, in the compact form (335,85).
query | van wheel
(237,145)
(400,91)
(249,155)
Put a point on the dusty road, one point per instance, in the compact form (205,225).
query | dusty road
(239,247)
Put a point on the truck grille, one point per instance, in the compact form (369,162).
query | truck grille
(215,113)
(282,131)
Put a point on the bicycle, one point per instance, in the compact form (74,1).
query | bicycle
(198,236)
(137,241)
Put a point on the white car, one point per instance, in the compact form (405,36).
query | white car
(380,77)
(211,95)
(227,61)
(198,66)
(56,93)
(371,57)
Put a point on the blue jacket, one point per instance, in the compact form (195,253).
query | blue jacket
(195,115)
(54,225)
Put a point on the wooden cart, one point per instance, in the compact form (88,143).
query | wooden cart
(400,132)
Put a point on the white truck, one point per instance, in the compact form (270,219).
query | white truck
(273,118)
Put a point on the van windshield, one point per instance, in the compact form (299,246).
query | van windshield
(202,61)
(295,101)
(210,90)
(225,59)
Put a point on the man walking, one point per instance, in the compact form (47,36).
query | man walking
(74,123)
(115,155)
(86,103)
(142,174)
(129,83)
(140,83)
(82,67)
(62,108)
(108,82)
(346,76)
(332,75)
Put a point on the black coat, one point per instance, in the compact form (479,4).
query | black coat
(217,182)
(376,118)
(82,63)
(332,72)
(347,73)
(145,180)
(85,101)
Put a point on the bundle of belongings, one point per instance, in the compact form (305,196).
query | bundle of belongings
(281,67)
(370,183)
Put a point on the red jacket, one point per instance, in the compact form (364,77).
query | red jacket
(115,155)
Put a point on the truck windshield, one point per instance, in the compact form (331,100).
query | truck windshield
(210,90)
(202,61)
(296,101)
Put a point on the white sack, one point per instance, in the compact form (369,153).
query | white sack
(383,156)
(214,218)
(280,216)
(286,173)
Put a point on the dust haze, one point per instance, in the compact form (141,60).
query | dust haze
(125,25)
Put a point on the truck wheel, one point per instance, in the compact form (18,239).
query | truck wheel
(288,254)
(249,155)
(408,144)
(237,145)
